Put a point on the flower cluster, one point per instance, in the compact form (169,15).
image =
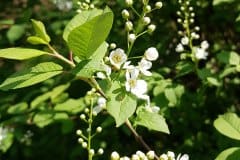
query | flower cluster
(171,156)
(63,5)
(189,34)
(139,155)
(134,84)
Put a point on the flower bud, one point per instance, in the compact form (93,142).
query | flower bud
(129,2)
(171,155)
(80,140)
(92,152)
(158,5)
(145,2)
(131,38)
(99,129)
(125,14)
(79,132)
(113,46)
(135,157)
(147,8)
(129,25)
(115,156)
(82,116)
(146,20)
(84,145)
(150,155)
(100,151)
(151,28)
(151,54)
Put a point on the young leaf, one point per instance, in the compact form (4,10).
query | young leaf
(229,154)
(15,32)
(7,142)
(227,57)
(20,53)
(87,68)
(34,75)
(152,121)
(36,40)
(86,38)
(73,106)
(229,125)
(120,105)
(40,30)
(18,108)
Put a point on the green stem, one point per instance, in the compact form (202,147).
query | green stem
(90,156)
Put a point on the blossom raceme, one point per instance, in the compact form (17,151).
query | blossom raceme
(117,57)
(151,54)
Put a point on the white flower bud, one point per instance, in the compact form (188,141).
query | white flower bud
(192,14)
(182,8)
(80,140)
(135,157)
(115,156)
(151,28)
(150,155)
(197,28)
(185,40)
(191,20)
(146,20)
(131,38)
(79,132)
(125,14)
(99,129)
(129,2)
(171,155)
(86,110)
(179,48)
(129,25)
(100,151)
(190,8)
(151,54)
(84,145)
(92,152)
(92,6)
(163,157)
(147,8)
(178,13)
(158,5)
(113,46)
(204,45)
(144,2)
(179,20)
(82,116)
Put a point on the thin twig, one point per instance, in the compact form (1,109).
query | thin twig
(139,138)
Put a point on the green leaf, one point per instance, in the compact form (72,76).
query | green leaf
(228,125)
(15,32)
(6,142)
(20,53)
(231,58)
(218,2)
(45,118)
(213,81)
(40,30)
(79,20)
(120,105)
(229,154)
(152,121)
(86,38)
(184,68)
(31,76)
(87,68)
(18,108)
(36,40)
(71,105)
(171,96)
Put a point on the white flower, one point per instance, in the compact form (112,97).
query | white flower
(151,54)
(144,66)
(201,53)
(204,45)
(133,85)
(127,65)
(185,40)
(107,73)
(101,101)
(155,109)
(115,156)
(101,104)
(184,157)
(117,57)
(179,48)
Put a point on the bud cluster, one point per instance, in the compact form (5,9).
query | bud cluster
(171,156)
(139,155)
(86,5)
(189,34)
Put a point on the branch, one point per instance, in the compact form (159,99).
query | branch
(139,138)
